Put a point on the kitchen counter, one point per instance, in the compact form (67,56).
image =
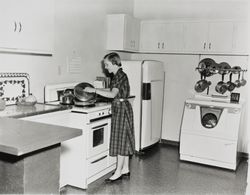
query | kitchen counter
(30,151)
(20,137)
(15,111)
(30,156)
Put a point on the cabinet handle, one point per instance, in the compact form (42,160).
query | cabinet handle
(209,46)
(158,45)
(204,45)
(20,27)
(162,45)
(15,26)
(95,161)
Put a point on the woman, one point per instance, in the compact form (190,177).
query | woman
(122,141)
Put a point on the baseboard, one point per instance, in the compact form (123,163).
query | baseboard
(169,142)
(243,155)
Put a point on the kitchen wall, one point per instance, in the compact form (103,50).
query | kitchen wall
(180,71)
(80,33)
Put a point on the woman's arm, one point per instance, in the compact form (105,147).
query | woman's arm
(103,92)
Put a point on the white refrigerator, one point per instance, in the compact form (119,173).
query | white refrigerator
(146,79)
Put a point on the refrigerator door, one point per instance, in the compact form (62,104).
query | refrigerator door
(146,75)
(152,103)
(152,115)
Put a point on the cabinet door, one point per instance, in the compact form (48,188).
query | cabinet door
(8,23)
(115,31)
(35,25)
(152,34)
(122,32)
(220,37)
(240,38)
(195,36)
(27,25)
(131,36)
(173,37)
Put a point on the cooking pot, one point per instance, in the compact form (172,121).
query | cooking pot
(238,81)
(243,81)
(230,85)
(67,97)
(83,96)
(221,86)
(201,85)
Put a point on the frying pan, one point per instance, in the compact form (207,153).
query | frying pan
(205,66)
(83,96)
(224,68)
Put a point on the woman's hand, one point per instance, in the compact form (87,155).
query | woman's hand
(89,90)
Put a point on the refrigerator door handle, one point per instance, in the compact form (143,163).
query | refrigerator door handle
(146,91)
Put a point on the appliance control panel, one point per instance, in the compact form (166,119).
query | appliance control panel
(99,114)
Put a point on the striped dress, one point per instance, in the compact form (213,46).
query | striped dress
(122,140)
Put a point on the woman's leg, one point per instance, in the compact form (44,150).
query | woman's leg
(120,163)
(125,168)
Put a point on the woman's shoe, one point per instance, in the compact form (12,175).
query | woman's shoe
(126,174)
(112,180)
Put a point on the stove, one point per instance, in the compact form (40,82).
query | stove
(88,155)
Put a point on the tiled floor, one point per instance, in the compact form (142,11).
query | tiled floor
(159,171)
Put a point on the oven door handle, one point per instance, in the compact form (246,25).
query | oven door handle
(99,126)
(100,118)
(97,160)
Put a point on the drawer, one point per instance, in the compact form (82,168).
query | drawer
(208,148)
(97,163)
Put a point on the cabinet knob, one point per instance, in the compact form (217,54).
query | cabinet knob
(209,46)
(162,45)
(158,45)
(204,45)
(20,27)
(15,26)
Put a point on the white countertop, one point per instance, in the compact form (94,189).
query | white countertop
(18,137)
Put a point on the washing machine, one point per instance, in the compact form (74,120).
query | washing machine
(209,132)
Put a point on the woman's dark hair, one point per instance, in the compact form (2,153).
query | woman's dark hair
(114,58)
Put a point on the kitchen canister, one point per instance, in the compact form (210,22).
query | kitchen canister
(2,104)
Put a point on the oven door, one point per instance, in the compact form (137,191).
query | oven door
(98,132)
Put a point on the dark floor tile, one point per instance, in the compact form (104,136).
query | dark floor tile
(159,171)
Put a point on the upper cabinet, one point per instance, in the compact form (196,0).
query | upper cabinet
(208,37)
(188,37)
(161,37)
(240,38)
(27,26)
(122,32)
(217,37)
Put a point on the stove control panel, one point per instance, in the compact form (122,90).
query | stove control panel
(99,114)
